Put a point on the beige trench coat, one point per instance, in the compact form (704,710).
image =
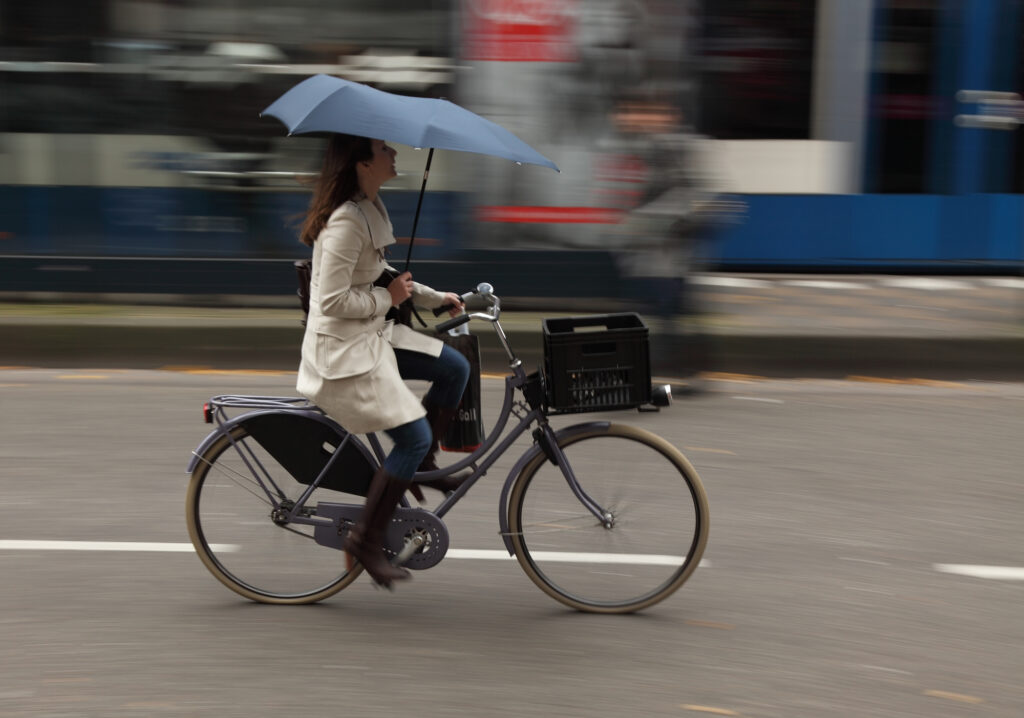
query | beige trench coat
(348,365)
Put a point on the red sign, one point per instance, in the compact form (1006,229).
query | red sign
(552,215)
(519,30)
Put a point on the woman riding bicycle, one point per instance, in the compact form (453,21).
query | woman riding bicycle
(355,356)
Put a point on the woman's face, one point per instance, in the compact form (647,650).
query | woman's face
(382,166)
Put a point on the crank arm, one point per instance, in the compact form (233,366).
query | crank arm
(411,546)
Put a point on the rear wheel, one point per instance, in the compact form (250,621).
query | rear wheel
(650,538)
(240,538)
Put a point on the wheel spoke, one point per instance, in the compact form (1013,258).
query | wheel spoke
(246,483)
(582,521)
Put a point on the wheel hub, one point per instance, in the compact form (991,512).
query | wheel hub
(280,514)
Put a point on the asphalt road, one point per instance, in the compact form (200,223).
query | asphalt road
(846,517)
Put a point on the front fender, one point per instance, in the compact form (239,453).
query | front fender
(524,460)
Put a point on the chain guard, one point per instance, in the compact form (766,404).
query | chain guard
(406,523)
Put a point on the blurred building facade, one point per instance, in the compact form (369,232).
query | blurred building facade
(860,135)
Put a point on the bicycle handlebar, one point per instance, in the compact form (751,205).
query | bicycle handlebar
(452,323)
(444,308)
(484,291)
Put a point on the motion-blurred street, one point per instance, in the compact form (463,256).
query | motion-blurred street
(779,325)
(864,560)
(815,206)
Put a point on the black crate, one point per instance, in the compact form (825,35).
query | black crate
(596,363)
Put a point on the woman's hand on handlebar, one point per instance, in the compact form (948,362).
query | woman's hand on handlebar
(452,303)
(400,288)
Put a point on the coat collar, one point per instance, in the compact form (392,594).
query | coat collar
(377,220)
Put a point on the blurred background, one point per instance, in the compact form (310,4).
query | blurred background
(865,556)
(733,135)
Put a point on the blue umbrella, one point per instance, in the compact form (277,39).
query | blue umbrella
(329,104)
(323,103)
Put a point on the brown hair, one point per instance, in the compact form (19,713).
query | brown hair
(337,182)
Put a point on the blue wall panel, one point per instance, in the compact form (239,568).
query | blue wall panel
(828,232)
(1006,236)
(863,231)
(169,222)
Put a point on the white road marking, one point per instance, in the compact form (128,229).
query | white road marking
(478,553)
(735,282)
(824,284)
(928,283)
(460,553)
(1004,282)
(999,573)
(863,560)
(923,283)
(635,559)
(885,669)
(759,398)
(106,546)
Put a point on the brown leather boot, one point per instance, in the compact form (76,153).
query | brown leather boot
(439,419)
(365,541)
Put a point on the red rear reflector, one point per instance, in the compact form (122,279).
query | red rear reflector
(207,414)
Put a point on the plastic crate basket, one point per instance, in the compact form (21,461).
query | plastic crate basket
(596,363)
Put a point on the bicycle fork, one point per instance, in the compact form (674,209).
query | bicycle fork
(548,442)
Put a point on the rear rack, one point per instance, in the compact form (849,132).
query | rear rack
(243,401)
(217,407)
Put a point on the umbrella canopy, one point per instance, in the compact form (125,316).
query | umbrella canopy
(323,103)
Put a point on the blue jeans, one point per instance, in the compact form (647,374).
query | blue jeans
(448,375)
(412,441)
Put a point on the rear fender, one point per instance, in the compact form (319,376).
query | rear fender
(303,443)
(226,427)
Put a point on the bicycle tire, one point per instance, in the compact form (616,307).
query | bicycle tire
(565,549)
(236,539)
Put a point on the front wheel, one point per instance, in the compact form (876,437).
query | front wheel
(652,530)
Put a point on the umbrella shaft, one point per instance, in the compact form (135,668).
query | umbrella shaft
(419,204)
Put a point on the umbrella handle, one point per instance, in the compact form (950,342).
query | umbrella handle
(419,203)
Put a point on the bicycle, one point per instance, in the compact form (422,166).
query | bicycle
(603,517)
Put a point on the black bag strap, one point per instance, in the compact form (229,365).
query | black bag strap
(403,312)
(304,270)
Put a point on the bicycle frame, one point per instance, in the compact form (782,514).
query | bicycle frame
(484,450)
(528,409)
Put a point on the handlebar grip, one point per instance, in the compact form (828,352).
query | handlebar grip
(452,323)
(443,309)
